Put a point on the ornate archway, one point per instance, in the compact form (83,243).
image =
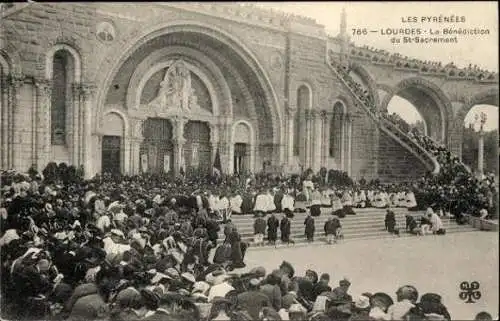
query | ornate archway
(430,101)
(205,49)
(232,47)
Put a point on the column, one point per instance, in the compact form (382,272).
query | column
(291,134)
(480,157)
(226,146)
(307,143)
(318,140)
(326,120)
(135,149)
(342,142)
(178,143)
(14,137)
(43,121)
(214,142)
(87,97)
(349,145)
(4,102)
(76,135)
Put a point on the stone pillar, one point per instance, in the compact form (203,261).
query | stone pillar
(291,134)
(349,145)
(87,98)
(15,137)
(178,142)
(135,147)
(43,122)
(214,142)
(307,141)
(5,107)
(326,120)
(76,135)
(480,157)
(226,146)
(317,140)
(341,157)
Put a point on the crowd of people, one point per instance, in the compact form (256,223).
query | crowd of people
(423,65)
(138,248)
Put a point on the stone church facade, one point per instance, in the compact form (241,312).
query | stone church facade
(132,88)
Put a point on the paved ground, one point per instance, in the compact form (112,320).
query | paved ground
(431,263)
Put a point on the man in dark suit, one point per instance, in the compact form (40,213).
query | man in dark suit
(285,226)
(272,229)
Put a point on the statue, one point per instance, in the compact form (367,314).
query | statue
(175,91)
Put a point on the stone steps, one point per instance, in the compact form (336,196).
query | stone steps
(366,224)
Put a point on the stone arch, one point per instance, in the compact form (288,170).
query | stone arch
(123,118)
(361,71)
(486,97)
(436,95)
(11,56)
(251,142)
(133,92)
(140,38)
(49,58)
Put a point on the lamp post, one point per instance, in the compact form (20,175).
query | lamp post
(480,119)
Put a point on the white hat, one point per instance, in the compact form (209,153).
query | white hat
(117,233)
(189,276)
(362,302)
(297,308)
(200,287)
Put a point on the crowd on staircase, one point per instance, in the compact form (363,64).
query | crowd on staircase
(454,187)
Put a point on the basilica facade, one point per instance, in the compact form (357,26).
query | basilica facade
(166,87)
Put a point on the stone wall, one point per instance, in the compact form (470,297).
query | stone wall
(395,163)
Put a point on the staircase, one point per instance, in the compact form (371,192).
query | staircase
(385,125)
(368,223)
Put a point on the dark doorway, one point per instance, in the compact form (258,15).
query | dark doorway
(111,154)
(157,145)
(240,157)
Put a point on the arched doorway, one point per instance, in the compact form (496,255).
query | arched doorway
(197,151)
(112,142)
(156,151)
(243,144)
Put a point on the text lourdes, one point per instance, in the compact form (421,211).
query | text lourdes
(433,19)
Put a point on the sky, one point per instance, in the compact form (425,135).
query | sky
(481,50)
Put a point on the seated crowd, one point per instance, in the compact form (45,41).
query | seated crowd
(139,247)
(424,65)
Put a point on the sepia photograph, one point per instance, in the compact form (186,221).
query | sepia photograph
(232,161)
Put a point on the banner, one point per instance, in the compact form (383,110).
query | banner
(166,162)
(144,163)
(195,161)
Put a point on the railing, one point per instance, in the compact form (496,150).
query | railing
(387,126)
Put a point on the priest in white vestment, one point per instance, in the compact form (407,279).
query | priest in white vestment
(261,201)
(287,202)
(411,201)
(236,202)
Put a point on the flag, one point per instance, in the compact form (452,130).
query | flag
(217,164)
